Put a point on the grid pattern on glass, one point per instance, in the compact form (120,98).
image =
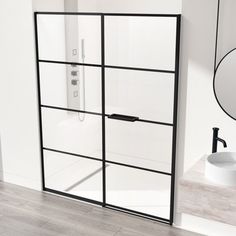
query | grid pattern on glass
(64,131)
(68,38)
(148,95)
(145,42)
(73,175)
(71,86)
(139,144)
(138,190)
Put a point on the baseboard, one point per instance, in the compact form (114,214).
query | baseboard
(21,181)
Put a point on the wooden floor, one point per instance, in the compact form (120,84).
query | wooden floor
(27,212)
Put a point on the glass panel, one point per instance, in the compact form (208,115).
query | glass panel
(140,144)
(75,87)
(71,132)
(70,38)
(138,190)
(148,95)
(73,175)
(146,42)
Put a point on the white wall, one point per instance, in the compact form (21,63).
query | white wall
(18,97)
(198,41)
(131,6)
(48,5)
(18,119)
(202,112)
(227,29)
(1,169)
(201,108)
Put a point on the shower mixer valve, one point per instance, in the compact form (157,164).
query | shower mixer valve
(74,81)
(74,73)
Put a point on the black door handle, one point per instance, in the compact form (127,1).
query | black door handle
(123,117)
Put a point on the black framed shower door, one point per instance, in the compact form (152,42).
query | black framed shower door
(119,150)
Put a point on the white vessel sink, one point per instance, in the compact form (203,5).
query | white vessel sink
(221,168)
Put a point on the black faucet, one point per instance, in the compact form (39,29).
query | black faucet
(216,139)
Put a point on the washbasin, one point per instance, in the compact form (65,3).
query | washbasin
(220,168)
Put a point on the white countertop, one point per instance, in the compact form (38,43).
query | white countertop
(200,197)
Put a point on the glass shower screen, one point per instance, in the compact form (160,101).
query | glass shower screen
(107,88)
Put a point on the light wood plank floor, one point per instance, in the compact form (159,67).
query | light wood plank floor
(31,213)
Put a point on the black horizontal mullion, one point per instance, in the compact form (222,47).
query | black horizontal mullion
(104,14)
(148,121)
(138,167)
(137,213)
(68,13)
(141,14)
(72,110)
(155,122)
(139,69)
(69,63)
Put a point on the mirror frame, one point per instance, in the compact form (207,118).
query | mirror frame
(214,89)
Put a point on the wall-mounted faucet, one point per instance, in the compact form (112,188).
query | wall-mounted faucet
(216,139)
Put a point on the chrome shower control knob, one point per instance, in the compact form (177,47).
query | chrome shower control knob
(74,72)
(74,81)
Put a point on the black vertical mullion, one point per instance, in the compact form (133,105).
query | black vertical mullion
(103,111)
(175,109)
(39,100)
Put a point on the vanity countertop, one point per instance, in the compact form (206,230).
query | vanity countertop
(201,197)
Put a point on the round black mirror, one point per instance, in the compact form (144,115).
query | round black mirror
(225,83)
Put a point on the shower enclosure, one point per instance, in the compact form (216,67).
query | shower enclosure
(107,91)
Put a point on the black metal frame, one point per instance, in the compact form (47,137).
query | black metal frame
(104,115)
